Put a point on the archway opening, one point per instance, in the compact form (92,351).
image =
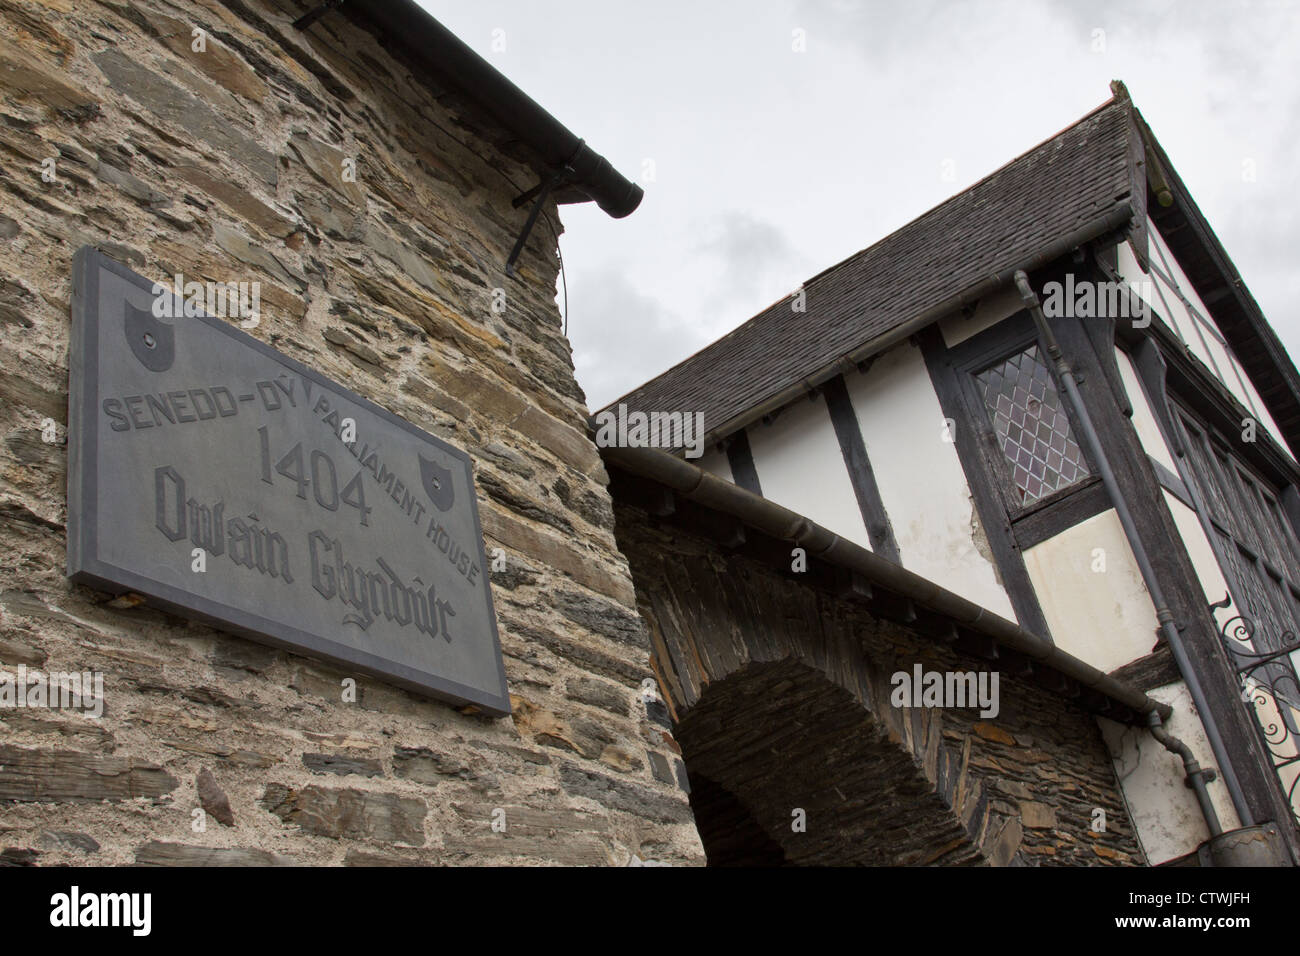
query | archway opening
(788,768)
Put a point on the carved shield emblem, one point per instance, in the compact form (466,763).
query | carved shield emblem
(151,341)
(437,484)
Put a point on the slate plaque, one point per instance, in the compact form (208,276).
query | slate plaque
(186,433)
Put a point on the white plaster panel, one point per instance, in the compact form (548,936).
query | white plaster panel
(1102,617)
(800,466)
(1206,565)
(991,310)
(1144,419)
(921,481)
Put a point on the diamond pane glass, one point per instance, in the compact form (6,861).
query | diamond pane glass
(1031,426)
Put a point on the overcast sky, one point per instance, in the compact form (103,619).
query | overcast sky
(764,165)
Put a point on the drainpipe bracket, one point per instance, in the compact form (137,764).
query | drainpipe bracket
(1207,774)
(538,194)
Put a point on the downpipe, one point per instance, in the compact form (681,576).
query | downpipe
(1248,846)
(1197,776)
(1165,617)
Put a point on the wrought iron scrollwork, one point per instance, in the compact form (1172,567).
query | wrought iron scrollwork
(1270,688)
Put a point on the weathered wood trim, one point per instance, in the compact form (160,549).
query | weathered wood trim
(1087,501)
(1172,483)
(988,499)
(1290,502)
(741,460)
(1152,372)
(1237,315)
(1253,769)
(1139,168)
(858,465)
(1101,331)
(1139,485)
(1208,396)
(996,342)
(1157,669)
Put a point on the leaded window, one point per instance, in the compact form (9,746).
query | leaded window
(1256,540)
(1032,428)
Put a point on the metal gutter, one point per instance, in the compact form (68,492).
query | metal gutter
(695,484)
(426,42)
(1117,218)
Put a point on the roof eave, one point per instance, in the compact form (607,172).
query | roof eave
(1216,280)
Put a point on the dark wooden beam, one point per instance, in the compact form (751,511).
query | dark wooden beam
(977,645)
(1050,520)
(854,451)
(937,626)
(741,460)
(851,584)
(892,607)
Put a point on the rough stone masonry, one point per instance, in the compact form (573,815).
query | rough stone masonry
(226,165)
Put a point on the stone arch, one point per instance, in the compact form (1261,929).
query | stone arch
(771,739)
(780,699)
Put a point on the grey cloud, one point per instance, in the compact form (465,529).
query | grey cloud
(622,336)
(757,264)
(746,249)
(773,166)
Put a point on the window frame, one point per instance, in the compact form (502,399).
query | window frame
(1245,540)
(1008,338)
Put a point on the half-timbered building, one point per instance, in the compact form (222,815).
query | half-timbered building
(1054,403)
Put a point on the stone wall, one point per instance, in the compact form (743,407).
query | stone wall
(779,694)
(228,165)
